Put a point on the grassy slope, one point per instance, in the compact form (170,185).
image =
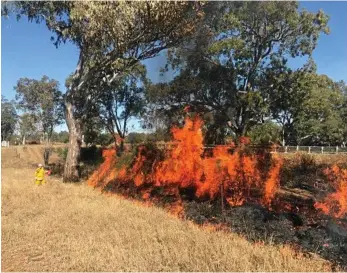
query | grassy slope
(29,155)
(70,227)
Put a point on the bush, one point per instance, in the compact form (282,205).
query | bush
(265,133)
(305,162)
(62,152)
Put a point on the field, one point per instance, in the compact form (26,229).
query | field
(72,227)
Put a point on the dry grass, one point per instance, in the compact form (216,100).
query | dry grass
(327,159)
(24,156)
(70,227)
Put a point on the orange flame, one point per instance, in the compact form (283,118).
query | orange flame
(233,175)
(272,183)
(106,172)
(335,204)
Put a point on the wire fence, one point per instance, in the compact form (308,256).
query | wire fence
(271,148)
(312,149)
(280,149)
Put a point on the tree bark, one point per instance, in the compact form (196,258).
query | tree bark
(71,170)
(72,167)
(46,154)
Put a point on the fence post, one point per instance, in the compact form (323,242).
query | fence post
(286,149)
(337,149)
(297,148)
(322,150)
(309,150)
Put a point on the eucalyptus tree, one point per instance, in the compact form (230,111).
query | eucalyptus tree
(122,100)
(42,99)
(112,36)
(225,65)
(9,118)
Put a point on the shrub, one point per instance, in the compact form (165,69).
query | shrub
(62,152)
(305,162)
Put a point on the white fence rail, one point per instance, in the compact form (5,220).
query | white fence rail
(312,149)
(281,149)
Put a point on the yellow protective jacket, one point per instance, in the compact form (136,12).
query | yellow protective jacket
(39,173)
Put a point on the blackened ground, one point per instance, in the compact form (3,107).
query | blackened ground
(320,234)
(308,230)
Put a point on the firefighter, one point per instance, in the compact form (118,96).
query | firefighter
(39,175)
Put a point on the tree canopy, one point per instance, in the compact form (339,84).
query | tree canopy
(42,99)
(231,60)
(9,118)
(112,37)
(224,68)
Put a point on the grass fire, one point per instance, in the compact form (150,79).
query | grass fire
(206,136)
(236,176)
(229,179)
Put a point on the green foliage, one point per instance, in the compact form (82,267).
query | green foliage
(265,133)
(225,68)
(42,100)
(62,137)
(135,138)
(109,47)
(343,110)
(28,127)
(232,63)
(105,139)
(94,132)
(8,118)
(319,122)
(62,152)
(112,38)
(121,100)
(15,139)
(147,150)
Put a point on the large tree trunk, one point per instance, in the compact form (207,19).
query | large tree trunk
(46,154)
(71,170)
(118,144)
(72,167)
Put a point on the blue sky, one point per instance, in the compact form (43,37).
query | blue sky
(26,51)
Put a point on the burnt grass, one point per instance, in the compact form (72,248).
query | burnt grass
(301,226)
(320,235)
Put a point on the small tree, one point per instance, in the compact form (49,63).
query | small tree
(62,137)
(119,102)
(43,100)
(8,118)
(27,126)
(266,133)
